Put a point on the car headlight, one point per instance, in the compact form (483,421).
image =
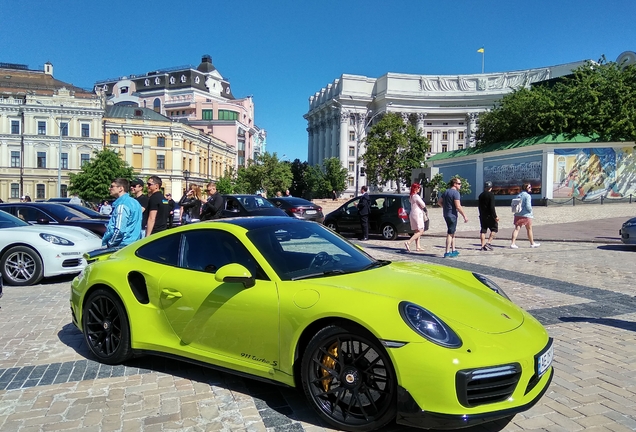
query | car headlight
(428,325)
(490,284)
(56,239)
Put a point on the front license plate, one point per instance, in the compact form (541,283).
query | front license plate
(544,359)
(311,212)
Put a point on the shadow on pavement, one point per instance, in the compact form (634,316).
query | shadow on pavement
(619,247)
(621,324)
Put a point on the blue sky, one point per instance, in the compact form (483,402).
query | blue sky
(282,52)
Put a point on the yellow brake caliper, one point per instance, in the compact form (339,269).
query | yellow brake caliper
(329,362)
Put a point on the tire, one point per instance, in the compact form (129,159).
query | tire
(389,232)
(106,327)
(333,226)
(349,380)
(21,266)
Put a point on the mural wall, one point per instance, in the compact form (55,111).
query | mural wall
(590,173)
(507,178)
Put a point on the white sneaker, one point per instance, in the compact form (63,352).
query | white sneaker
(535,245)
(513,246)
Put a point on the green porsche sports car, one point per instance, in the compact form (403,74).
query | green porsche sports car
(291,302)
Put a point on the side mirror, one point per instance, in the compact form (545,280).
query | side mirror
(235,273)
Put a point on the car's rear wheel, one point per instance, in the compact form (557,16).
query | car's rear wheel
(21,266)
(349,380)
(389,232)
(106,327)
(333,226)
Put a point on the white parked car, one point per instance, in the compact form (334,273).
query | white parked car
(30,252)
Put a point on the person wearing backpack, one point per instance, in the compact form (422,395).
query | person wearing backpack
(524,217)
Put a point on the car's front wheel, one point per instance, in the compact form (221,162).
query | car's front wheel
(389,232)
(349,379)
(21,266)
(106,328)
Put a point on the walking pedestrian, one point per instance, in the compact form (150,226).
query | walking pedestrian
(450,201)
(417,217)
(488,219)
(157,207)
(364,209)
(524,217)
(191,204)
(213,208)
(124,225)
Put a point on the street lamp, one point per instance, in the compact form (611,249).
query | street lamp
(186,176)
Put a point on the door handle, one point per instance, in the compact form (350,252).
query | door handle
(171,294)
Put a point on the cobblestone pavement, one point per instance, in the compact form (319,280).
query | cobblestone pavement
(583,292)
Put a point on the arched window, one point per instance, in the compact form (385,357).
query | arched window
(156,105)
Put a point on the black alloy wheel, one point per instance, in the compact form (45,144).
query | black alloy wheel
(106,328)
(21,266)
(349,380)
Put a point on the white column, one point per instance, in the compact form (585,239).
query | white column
(334,135)
(310,146)
(344,146)
(420,121)
(547,174)
(321,142)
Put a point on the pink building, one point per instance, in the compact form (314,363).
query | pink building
(199,97)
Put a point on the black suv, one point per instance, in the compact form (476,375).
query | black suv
(389,216)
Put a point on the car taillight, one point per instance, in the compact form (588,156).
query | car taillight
(402,214)
(296,210)
(319,209)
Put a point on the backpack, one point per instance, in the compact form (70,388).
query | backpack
(515,205)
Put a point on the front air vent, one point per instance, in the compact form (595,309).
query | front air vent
(488,385)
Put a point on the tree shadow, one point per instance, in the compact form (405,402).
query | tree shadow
(621,324)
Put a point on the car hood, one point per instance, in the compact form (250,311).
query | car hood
(451,294)
(74,234)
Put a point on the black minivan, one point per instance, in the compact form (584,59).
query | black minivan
(389,216)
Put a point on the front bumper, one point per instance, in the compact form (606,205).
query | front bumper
(410,414)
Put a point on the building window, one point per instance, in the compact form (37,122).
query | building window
(241,160)
(156,105)
(444,147)
(429,124)
(15,190)
(460,135)
(429,135)
(444,136)
(64,129)
(445,123)
(146,82)
(64,191)
(157,81)
(197,80)
(84,159)
(352,136)
(461,123)
(39,191)
(228,115)
(15,127)
(161,162)
(352,151)
(351,166)
(64,160)
(41,159)
(114,138)
(41,128)
(350,182)
(15,159)
(241,145)
(86,130)
(161,141)
(183,78)
(352,120)
(460,146)
(207,115)
(172,80)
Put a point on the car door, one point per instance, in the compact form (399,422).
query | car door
(377,212)
(33,215)
(223,318)
(350,219)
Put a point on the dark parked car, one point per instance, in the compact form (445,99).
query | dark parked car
(62,200)
(249,205)
(299,208)
(389,216)
(85,210)
(54,213)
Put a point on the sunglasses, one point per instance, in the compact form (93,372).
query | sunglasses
(149,184)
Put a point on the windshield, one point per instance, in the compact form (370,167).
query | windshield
(252,202)
(303,250)
(65,213)
(10,221)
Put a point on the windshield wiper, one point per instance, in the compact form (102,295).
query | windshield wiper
(375,264)
(325,273)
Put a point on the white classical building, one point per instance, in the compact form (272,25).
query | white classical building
(443,107)
(48,129)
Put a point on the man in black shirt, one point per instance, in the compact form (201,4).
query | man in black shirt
(157,207)
(364,209)
(214,206)
(487,216)
(171,205)
(137,190)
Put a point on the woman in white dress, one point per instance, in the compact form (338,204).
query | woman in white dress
(417,217)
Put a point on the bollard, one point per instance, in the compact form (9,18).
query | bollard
(573,201)
(601,199)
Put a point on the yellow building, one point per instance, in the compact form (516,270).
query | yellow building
(156,145)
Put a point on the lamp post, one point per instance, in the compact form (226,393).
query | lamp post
(186,176)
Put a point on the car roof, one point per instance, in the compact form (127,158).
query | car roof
(250,223)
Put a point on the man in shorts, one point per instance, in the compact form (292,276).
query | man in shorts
(488,219)
(450,201)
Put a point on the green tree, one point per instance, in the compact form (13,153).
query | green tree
(93,181)
(437,182)
(394,149)
(317,186)
(335,176)
(265,173)
(227,183)
(299,186)
(598,99)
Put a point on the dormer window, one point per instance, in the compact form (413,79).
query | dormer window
(227,90)
(172,80)
(146,82)
(105,87)
(183,78)
(197,80)
(123,90)
(138,113)
(157,80)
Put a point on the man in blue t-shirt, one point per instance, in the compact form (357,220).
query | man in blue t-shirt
(451,205)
